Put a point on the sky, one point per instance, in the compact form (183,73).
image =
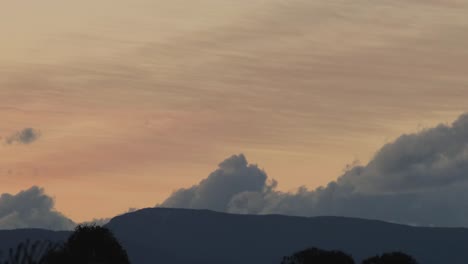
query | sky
(110,105)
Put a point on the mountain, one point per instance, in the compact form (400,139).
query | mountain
(176,236)
(11,238)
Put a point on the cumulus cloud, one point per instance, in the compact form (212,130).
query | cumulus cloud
(31,208)
(419,179)
(25,136)
(233,176)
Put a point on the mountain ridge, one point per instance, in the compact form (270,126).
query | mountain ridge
(177,236)
(205,236)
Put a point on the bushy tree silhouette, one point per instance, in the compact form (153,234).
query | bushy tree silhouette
(318,256)
(29,253)
(391,258)
(89,244)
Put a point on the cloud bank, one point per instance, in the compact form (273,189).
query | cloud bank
(25,136)
(419,179)
(31,208)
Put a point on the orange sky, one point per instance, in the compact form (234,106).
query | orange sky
(135,99)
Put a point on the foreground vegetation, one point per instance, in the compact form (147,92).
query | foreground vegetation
(97,245)
(87,245)
(318,256)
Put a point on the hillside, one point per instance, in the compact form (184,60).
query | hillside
(176,236)
(198,236)
(11,238)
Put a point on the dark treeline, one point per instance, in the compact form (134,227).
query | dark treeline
(95,244)
(319,256)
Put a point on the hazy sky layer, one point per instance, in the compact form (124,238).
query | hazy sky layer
(132,100)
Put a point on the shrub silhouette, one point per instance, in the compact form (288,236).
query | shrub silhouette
(89,245)
(391,258)
(318,256)
(29,253)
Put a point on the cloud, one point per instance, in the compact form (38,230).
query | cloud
(25,136)
(233,176)
(420,179)
(31,208)
(104,221)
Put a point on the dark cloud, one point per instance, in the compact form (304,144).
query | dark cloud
(25,136)
(233,176)
(31,208)
(419,179)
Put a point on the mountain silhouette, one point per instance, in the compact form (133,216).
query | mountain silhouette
(10,239)
(176,236)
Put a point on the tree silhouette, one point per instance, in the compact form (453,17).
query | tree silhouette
(29,253)
(318,256)
(391,258)
(89,245)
